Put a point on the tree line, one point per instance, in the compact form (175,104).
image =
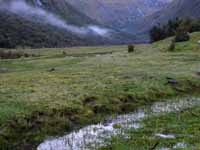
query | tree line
(173,27)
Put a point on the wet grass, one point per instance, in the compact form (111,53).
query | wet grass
(52,93)
(185,125)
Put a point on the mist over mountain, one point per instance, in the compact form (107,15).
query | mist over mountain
(38,14)
(52,23)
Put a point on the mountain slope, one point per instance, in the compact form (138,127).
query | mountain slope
(118,13)
(178,8)
(47,23)
(16,31)
(64,10)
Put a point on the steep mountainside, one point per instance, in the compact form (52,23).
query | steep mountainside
(64,10)
(178,8)
(15,31)
(48,23)
(53,23)
(118,13)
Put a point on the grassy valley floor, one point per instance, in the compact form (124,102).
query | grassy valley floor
(64,89)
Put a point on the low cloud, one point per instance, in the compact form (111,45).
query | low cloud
(33,13)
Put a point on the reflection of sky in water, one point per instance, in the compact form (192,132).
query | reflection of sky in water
(94,135)
(176,146)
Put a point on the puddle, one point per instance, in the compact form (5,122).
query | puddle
(165,136)
(164,148)
(4,70)
(89,137)
(180,145)
(176,146)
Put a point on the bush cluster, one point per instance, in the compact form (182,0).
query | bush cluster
(13,54)
(178,27)
(182,35)
(131,48)
(172,45)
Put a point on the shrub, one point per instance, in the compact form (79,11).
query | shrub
(64,53)
(182,35)
(157,33)
(26,55)
(172,45)
(160,32)
(131,48)
(12,54)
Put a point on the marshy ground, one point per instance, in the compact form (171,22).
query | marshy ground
(178,130)
(57,91)
(134,130)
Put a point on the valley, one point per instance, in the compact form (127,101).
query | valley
(99,75)
(55,92)
(83,23)
(52,24)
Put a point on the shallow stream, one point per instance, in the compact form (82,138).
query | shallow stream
(87,138)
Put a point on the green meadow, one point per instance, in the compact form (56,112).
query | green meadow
(59,90)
